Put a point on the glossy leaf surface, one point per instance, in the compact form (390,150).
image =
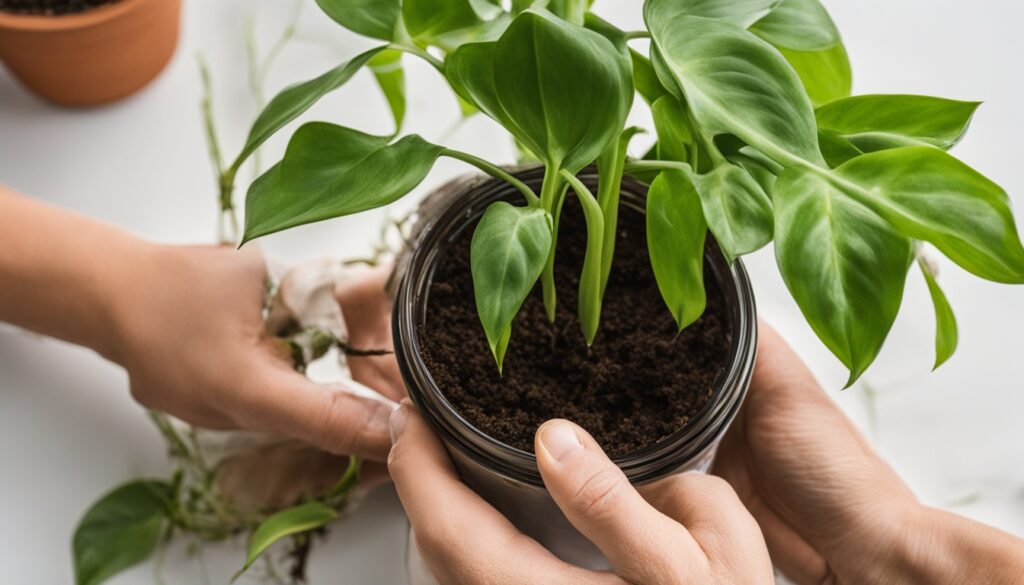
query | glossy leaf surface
(879,122)
(801,25)
(946,334)
(741,13)
(737,210)
(371,18)
(301,518)
(387,70)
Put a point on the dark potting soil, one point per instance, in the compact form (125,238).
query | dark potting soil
(637,384)
(50,7)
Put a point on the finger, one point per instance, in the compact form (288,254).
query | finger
(325,416)
(714,515)
(462,538)
(642,543)
(366,306)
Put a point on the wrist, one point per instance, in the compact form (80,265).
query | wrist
(116,290)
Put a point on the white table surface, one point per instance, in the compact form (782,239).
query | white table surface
(69,430)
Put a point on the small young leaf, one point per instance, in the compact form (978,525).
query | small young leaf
(945,321)
(293,101)
(675,241)
(610,167)
(508,252)
(387,69)
(591,285)
(801,25)
(880,122)
(371,18)
(741,13)
(329,171)
(674,137)
(738,84)
(737,210)
(929,195)
(844,266)
(645,78)
(120,530)
(825,74)
(301,518)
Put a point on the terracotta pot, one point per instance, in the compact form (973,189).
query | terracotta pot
(93,57)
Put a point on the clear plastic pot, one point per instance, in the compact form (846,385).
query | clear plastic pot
(508,477)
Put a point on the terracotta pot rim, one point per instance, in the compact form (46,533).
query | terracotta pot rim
(86,19)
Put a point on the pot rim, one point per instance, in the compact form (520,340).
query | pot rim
(651,463)
(81,20)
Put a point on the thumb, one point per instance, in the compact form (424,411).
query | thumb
(642,544)
(328,417)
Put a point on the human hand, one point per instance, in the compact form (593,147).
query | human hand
(688,528)
(366,305)
(831,510)
(188,328)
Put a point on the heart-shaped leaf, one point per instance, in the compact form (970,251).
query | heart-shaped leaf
(844,265)
(120,530)
(293,101)
(737,210)
(675,242)
(945,322)
(302,518)
(741,13)
(929,195)
(508,252)
(737,83)
(371,18)
(880,122)
(387,69)
(329,171)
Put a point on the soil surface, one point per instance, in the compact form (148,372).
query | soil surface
(637,384)
(50,7)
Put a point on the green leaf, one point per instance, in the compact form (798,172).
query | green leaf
(844,266)
(741,13)
(737,83)
(825,74)
(562,90)
(610,168)
(293,101)
(835,148)
(120,530)
(329,171)
(371,18)
(645,78)
(508,252)
(945,322)
(801,25)
(737,210)
(675,241)
(302,518)
(591,284)
(674,137)
(880,122)
(387,69)
(758,169)
(427,20)
(929,195)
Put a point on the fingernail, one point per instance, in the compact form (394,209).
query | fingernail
(399,418)
(559,439)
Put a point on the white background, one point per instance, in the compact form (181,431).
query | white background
(69,431)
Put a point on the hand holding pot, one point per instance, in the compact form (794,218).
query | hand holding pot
(686,529)
(831,510)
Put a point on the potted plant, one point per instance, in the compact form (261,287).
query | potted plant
(87,52)
(757,140)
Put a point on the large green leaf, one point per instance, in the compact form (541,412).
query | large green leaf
(844,266)
(675,241)
(945,322)
(742,13)
(371,18)
(566,89)
(929,195)
(387,69)
(329,171)
(508,252)
(737,210)
(879,122)
(430,19)
(801,25)
(826,74)
(293,101)
(120,530)
(736,83)
(301,518)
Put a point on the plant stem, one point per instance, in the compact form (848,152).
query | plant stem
(421,53)
(636,166)
(590,280)
(494,171)
(637,34)
(549,196)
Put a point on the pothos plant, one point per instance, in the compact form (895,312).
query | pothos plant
(757,139)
